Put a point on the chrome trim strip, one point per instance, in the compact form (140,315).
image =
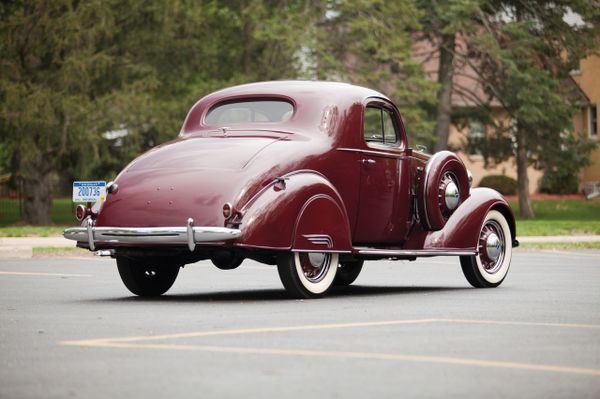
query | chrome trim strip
(319,239)
(414,252)
(332,251)
(373,152)
(189,235)
(90,233)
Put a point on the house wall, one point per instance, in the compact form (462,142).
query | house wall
(476,164)
(588,78)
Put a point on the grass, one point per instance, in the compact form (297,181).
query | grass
(553,217)
(61,252)
(560,217)
(62,212)
(31,231)
(62,215)
(53,250)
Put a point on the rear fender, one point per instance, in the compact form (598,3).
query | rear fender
(299,211)
(461,231)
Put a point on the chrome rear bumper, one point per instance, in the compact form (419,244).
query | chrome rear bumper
(189,234)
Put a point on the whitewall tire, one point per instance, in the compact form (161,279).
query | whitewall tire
(307,274)
(489,267)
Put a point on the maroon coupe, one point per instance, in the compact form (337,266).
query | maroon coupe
(314,177)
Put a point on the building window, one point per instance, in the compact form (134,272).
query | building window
(593,113)
(476,136)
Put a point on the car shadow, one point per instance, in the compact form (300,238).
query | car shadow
(280,294)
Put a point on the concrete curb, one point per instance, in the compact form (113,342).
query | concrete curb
(22,247)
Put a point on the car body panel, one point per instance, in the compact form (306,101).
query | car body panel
(310,183)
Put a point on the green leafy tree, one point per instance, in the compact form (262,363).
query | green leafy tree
(443,24)
(71,72)
(368,42)
(55,56)
(522,57)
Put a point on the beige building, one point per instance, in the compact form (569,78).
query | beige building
(467,92)
(586,88)
(588,79)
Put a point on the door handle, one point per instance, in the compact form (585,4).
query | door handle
(367,161)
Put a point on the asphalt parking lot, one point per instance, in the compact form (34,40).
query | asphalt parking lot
(68,328)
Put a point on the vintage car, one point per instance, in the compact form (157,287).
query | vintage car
(314,177)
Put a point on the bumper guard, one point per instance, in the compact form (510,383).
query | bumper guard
(189,234)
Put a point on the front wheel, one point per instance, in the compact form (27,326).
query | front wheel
(494,247)
(147,277)
(307,274)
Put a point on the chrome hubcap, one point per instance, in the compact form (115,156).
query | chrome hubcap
(315,265)
(491,246)
(452,196)
(448,194)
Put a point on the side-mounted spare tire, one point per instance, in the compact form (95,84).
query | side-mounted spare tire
(444,187)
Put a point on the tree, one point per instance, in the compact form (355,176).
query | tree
(369,42)
(522,57)
(54,56)
(72,71)
(443,23)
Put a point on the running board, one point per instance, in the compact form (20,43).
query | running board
(413,252)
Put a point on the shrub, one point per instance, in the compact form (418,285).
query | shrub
(503,184)
(559,182)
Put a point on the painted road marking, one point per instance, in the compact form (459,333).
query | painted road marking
(360,355)
(143,342)
(92,342)
(43,274)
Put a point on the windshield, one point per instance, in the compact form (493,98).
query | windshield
(250,111)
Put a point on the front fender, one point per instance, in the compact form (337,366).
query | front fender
(462,228)
(300,211)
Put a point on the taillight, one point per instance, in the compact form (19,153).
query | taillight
(81,212)
(227,210)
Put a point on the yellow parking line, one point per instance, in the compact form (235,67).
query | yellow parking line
(94,342)
(363,356)
(142,342)
(44,274)
(523,323)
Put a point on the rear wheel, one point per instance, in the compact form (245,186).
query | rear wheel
(489,268)
(307,274)
(145,276)
(347,272)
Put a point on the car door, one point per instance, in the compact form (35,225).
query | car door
(384,203)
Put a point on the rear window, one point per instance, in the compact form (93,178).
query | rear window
(251,111)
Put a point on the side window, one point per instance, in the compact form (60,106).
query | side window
(379,126)
(389,128)
(373,129)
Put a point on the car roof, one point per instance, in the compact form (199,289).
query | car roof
(311,98)
(300,89)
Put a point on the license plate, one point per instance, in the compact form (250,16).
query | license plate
(89,191)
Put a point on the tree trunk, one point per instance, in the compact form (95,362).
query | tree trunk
(525,208)
(444,95)
(37,191)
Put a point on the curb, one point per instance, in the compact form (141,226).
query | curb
(16,252)
(22,247)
